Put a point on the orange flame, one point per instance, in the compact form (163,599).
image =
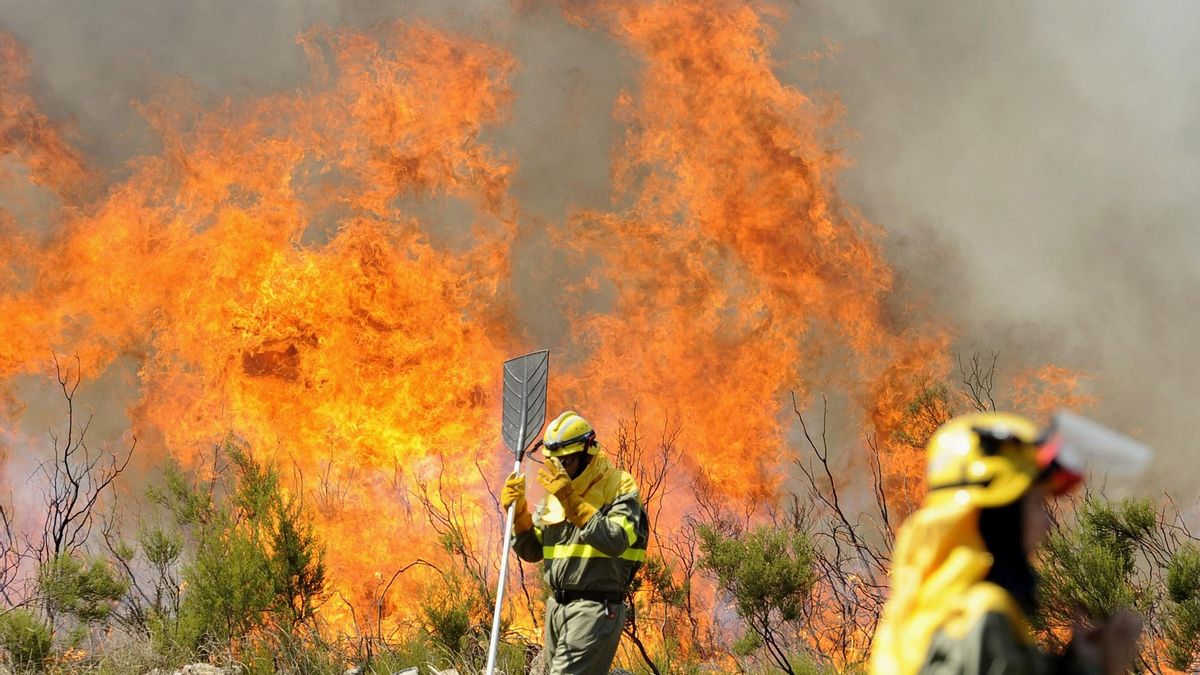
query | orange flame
(268,274)
(265,277)
(1040,391)
(736,267)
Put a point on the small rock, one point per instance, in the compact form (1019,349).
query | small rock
(202,669)
(409,671)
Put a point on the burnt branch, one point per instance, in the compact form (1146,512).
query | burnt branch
(333,488)
(75,479)
(649,466)
(886,530)
(851,566)
(447,513)
(12,554)
(978,379)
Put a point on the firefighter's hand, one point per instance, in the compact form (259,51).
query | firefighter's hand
(1112,644)
(555,479)
(1117,641)
(558,483)
(514,493)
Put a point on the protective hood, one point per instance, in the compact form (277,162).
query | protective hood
(599,484)
(937,568)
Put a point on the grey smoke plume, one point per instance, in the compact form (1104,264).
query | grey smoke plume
(1032,162)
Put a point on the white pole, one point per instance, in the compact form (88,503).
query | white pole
(494,644)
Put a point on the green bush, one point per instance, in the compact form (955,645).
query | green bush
(161,548)
(768,574)
(1183,613)
(25,638)
(453,612)
(449,624)
(658,576)
(228,588)
(297,561)
(1088,567)
(1183,574)
(256,565)
(84,589)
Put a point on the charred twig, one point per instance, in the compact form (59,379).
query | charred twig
(978,380)
(75,477)
(852,570)
(11,556)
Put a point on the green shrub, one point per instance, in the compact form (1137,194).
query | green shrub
(228,588)
(161,548)
(768,574)
(1183,574)
(1088,567)
(1183,612)
(25,638)
(452,611)
(84,589)
(297,561)
(256,565)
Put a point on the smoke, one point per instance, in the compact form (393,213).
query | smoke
(91,62)
(1030,163)
(1034,166)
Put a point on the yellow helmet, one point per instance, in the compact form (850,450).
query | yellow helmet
(568,434)
(982,460)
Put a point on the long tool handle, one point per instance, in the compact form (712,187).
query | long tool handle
(494,644)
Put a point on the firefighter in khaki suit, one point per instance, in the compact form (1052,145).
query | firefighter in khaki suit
(590,532)
(963,589)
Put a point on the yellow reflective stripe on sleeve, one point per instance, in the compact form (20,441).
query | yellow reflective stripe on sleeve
(630,534)
(589,551)
(537,532)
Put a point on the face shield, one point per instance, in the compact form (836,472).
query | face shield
(1073,446)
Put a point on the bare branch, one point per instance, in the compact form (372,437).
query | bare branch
(978,381)
(76,477)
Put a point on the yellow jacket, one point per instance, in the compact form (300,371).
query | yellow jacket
(943,617)
(604,554)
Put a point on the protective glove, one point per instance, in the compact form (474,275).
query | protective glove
(558,483)
(514,493)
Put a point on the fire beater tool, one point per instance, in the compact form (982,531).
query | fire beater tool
(524,414)
(1084,445)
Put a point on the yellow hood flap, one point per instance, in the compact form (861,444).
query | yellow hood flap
(937,566)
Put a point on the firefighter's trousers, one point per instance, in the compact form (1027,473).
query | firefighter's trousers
(582,636)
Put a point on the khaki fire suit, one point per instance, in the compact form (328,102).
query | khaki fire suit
(989,635)
(588,569)
(943,618)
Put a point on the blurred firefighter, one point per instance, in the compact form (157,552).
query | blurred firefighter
(963,588)
(591,532)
